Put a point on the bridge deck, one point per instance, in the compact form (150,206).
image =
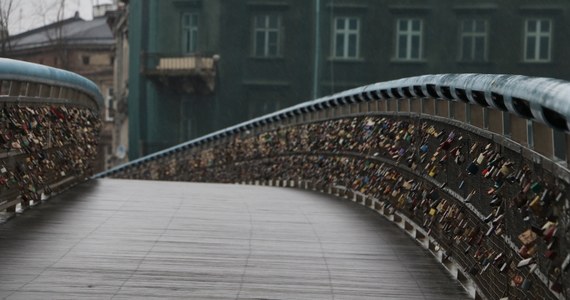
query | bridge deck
(137,239)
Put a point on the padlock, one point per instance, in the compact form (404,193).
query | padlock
(528,237)
(535,206)
(506,169)
(536,187)
(472,168)
(526,284)
(480,159)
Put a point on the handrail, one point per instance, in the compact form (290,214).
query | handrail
(544,100)
(29,72)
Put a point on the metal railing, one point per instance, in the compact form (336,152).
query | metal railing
(49,127)
(165,64)
(501,121)
(548,105)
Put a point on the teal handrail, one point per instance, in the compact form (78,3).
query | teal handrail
(11,69)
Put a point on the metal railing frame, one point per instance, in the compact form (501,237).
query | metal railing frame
(23,83)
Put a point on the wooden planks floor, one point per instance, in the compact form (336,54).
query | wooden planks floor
(125,239)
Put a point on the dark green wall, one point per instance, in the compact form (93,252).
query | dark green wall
(247,87)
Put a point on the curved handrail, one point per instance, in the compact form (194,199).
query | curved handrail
(24,71)
(545,100)
(544,95)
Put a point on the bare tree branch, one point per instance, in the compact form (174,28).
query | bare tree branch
(55,34)
(6,10)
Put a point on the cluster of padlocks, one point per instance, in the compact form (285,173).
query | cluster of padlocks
(502,217)
(42,146)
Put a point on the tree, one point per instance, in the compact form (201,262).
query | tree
(59,41)
(55,35)
(6,10)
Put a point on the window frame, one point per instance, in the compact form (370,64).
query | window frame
(266,30)
(346,33)
(537,35)
(409,34)
(190,32)
(473,35)
(85,60)
(109,105)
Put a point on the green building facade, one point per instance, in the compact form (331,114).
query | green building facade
(201,65)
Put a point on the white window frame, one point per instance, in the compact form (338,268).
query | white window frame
(537,35)
(345,33)
(409,33)
(473,35)
(109,105)
(266,30)
(190,32)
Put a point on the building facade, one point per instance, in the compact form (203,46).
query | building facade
(118,22)
(205,65)
(80,46)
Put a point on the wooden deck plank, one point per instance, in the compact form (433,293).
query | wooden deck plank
(153,240)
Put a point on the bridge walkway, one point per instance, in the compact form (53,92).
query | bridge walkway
(125,239)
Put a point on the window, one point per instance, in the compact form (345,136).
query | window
(346,38)
(409,39)
(86,59)
(538,39)
(474,40)
(266,33)
(110,105)
(189,33)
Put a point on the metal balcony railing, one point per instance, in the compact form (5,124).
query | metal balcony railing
(195,71)
(156,64)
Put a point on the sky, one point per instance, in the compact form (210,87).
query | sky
(30,14)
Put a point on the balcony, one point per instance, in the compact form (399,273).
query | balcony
(194,74)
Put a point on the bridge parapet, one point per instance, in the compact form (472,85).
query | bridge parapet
(49,127)
(490,197)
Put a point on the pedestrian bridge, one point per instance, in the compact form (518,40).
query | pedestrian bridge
(111,238)
(432,187)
